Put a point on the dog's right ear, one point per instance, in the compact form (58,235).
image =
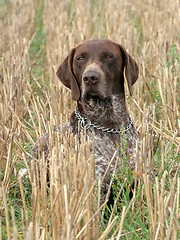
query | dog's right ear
(131,68)
(66,75)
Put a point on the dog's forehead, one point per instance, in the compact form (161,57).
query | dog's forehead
(96,46)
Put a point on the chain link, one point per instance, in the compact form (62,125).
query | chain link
(84,122)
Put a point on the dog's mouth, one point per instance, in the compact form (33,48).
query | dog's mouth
(96,97)
(93,95)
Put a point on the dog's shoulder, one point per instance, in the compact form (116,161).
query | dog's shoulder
(42,144)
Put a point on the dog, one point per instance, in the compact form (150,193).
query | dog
(95,72)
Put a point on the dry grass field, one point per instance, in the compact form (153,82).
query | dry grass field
(35,37)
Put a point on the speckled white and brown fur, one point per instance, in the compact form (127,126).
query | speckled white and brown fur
(111,113)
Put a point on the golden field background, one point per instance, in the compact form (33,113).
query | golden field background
(35,37)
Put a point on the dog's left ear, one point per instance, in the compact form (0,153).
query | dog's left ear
(131,68)
(66,75)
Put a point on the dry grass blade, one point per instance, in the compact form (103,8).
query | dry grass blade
(6,212)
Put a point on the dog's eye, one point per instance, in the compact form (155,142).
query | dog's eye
(80,59)
(109,57)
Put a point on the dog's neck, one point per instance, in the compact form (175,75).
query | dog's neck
(111,112)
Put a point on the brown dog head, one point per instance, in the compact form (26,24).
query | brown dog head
(96,69)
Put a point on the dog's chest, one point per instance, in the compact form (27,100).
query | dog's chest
(107,145)
(109,149)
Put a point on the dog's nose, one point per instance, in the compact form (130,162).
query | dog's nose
(91,77)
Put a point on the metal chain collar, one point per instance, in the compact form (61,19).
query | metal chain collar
(84,122)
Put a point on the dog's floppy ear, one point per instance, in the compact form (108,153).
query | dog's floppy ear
(66,75)
(131,68)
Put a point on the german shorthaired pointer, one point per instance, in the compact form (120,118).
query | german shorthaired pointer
(94,72)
